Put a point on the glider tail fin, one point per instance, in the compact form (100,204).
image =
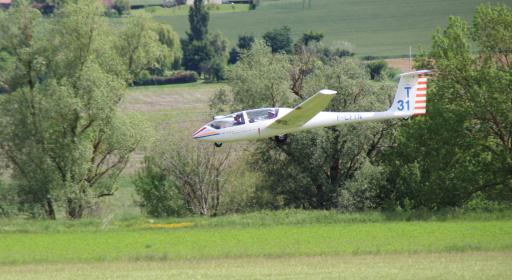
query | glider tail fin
(411,95)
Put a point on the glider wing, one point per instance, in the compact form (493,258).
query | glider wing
(305,111)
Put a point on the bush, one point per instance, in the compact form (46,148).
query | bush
(179,77)
(478,202)
(122,7)
(377,69)
(160,195)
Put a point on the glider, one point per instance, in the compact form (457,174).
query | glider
(410,100)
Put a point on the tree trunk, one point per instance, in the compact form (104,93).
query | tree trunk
(50,211)
(75,208)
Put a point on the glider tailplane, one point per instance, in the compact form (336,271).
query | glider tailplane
(411,95)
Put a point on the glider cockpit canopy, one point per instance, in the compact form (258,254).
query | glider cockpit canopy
(244,117)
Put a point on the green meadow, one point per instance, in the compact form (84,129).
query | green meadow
(141,242)
(372,27)
(296,244)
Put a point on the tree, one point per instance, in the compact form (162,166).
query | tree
(160,195)
(197,51)
(377,69)
(196,55)
(468,124)
(312,36)
(331,177)
(60,131)
(147,45)
(198,17)
(245,42)
(215,69)
(279,39)
(182,173)
(260,79)
(340,168)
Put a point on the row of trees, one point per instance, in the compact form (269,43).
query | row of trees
(459,154)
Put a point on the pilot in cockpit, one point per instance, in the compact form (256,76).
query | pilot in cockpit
(238,120)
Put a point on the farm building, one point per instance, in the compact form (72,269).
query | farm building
(191,2)
(109,3)
(5,4)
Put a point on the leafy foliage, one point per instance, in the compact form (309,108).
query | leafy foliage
(279,39)
(334,155)
(160,195)
(60,131)
(463,145)
(202,52)
(245,42)
(260,79)
(145,44)
(180,173)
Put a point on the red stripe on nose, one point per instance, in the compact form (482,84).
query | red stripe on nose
(198,131)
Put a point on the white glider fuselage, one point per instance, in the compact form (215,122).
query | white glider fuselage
(410,99)
(261,129)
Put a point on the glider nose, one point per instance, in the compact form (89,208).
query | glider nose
(196,134)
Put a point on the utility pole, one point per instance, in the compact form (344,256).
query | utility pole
(410,58)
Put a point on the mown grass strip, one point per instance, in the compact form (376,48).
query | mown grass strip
(481,265)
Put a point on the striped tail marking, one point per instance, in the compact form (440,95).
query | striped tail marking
(420,100)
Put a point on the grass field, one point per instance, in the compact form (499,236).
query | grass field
(168,105)
(481,265)
(286,244)
(183,10)
(374,27)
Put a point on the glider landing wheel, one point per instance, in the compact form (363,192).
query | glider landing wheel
(281,138)
(217,144)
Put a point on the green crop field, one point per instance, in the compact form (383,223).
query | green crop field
(295,244)
(381,28)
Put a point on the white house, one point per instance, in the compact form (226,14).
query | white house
(191,2)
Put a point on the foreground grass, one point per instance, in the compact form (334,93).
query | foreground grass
(203,242)
(396,266)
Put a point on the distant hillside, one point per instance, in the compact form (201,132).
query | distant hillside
(374,27)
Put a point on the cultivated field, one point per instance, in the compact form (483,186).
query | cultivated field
(379,28)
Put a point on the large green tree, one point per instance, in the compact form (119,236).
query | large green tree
(197,51)
(464,144)
(330,168)
(323,168)
(60,129)
(279,39)
(146,45)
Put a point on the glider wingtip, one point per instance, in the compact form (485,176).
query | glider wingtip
(328,91)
